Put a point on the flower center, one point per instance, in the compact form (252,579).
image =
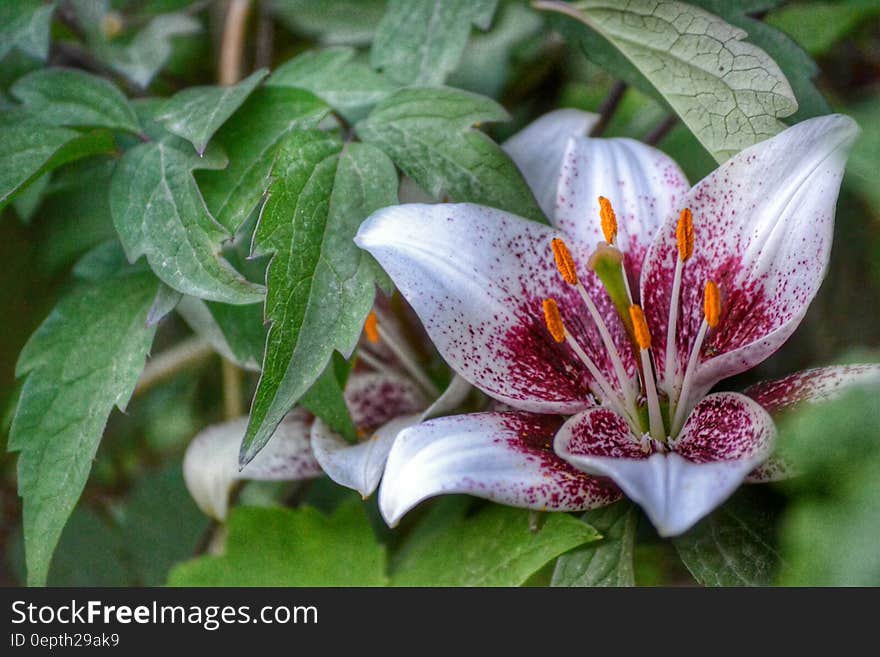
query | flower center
(645,408)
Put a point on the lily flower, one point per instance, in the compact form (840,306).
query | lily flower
(622,315)
(387,393)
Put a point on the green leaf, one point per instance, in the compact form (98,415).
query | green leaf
(29,148)
(236,332)
(320,285)
(250,139)
(80,363)
(341,22)
(143,57)
(420,41)
(24,24)
(730,93)
(734,546)
(158,212)
(429,134)
(197,113)
(160,525)
(67,97)
(493,547)
(608,562)
(817,26)
(326,399)
(281,547)
(829,532)
(349,87)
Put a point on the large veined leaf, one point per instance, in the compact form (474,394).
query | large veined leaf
(421,41)
(608,562)
(494,547)
(429,134)
(341,22)
(81,362)
(24,24)
(734,546)
(159,212)
(280,547)
(29,148)
(729,92)
(250,139)
(197,113)
(349,87)
(320,285)
(74,98)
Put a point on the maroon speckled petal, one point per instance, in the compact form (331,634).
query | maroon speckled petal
(503,457)
(374,398)
(726,426)
(477,278)
(763,224)
(644,185)
(810,386)
(724,439)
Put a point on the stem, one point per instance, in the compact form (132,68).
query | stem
(232,45)
(182,356)
(265,39)
(661,130)
(608,108)
(232,404)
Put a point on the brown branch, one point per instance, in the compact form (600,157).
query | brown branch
(232,46)
(182,356)
(661,130)
(608,108)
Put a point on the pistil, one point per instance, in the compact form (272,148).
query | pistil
(643,338)
(568,270)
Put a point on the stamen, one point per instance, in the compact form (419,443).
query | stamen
(564,261)
(370,327)
(640,327)
(712,304)
(608,218)
(684,234)
(553,320)
(711,316)
(408,362)
(643,338)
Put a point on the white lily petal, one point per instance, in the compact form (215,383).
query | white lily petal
(645,187)
(503,457)
(538,149)
(477,278)
(358,466)
(763,223)
(725,437)
(210,465)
